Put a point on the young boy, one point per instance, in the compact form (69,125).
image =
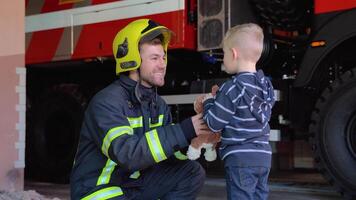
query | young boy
(241,110)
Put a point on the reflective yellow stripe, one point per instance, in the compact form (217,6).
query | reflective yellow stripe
(112,134)
(159,123)
(135,175)
(135,122)
(180,156)
(155,146)
(105,193)
(105,175)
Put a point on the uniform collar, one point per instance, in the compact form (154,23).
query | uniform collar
(147,94)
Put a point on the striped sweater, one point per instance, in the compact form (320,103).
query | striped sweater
(241,111)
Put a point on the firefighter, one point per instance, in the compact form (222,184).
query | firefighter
(129,148)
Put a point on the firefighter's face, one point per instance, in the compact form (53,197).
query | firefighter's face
(153,65)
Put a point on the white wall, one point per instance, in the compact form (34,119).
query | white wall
(12,50)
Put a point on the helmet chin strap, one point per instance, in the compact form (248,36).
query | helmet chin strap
(153,104)
(138,91)
(137,87)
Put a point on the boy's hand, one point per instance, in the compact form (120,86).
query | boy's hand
(198,104)
(212,94)
(214,89)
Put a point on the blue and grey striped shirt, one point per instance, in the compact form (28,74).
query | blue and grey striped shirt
(241,111)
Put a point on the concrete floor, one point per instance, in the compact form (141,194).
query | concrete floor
(214,189)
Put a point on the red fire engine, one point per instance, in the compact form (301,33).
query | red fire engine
(309,55)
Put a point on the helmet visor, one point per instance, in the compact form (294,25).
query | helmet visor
(164,34)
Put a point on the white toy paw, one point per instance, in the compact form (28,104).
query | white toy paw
(210,152)
(193,153)
(210,155)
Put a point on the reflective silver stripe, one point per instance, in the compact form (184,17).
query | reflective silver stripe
(159,123)
(105,193)
(112,134)
(155,146)
(105,175)
(135,122)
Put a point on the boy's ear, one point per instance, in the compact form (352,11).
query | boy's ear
(235,53)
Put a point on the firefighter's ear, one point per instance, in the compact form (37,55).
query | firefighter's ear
(122,49)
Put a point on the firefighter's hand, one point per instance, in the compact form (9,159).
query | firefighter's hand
(199,125)
(198,104)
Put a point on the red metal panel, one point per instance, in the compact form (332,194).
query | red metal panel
(324,6)
(96,39)
(94,2)
(190,28)
(43,46)
(53,5)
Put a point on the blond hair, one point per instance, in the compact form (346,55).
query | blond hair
(248,38)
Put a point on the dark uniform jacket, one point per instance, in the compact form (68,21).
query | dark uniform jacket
(121,136)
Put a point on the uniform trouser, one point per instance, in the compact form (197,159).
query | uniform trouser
(165,181)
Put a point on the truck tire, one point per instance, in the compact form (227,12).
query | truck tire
(333,134)
(53,133)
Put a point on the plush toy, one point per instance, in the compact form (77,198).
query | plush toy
(206,141)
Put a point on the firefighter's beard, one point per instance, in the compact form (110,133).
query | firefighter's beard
(155,79)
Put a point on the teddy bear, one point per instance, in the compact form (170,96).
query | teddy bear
(204,141)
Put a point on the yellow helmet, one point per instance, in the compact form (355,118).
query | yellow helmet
(126,42)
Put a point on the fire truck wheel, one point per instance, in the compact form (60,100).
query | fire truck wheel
(333,130)
(54,133)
